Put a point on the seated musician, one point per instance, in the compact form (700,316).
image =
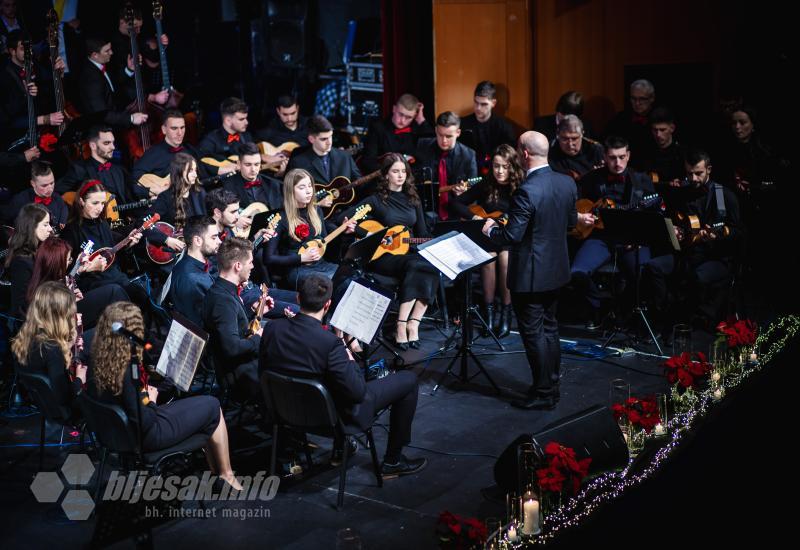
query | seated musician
(570,103)
(102,91)
(192,276)
(44,344)
(326,358)
(493,194)
(287,127)
(158,158)
(250,185)
(223,206)
(224,142)
(232,345)
(41,191)
(99,166)
(487,129)
(162,426)
(302,221)
(632,123)
(576,155)
(626,188)
(13,93)
(396,202)
(396,134)
(148,48)
(711,256)
(53,262)
(184,198)
(446,160)
(664,156)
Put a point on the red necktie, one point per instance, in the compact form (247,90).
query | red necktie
(233,137)
(239,289)
(615,178)
(43,200)
(177,149)
(443,198)
(105,167)
(406,130)
(103,69)
(251,184)
(223,235)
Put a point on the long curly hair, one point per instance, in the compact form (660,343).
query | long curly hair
(409,187)
(110,352)
(24,241)
(290,207)
(178,170)
(515,172)
(52,318)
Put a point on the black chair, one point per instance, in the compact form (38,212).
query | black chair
(117,434)
(306,405)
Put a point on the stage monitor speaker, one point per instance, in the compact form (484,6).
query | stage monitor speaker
(593,433)
(287,40)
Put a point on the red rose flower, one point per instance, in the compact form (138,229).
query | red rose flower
(302,231)
(47,142)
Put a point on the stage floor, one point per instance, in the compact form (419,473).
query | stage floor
(460,430)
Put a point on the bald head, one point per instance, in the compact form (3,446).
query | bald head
(533,148)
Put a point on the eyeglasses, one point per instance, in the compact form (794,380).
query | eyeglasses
(641,99)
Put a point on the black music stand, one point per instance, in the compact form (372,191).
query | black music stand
(464,277)
(639,228)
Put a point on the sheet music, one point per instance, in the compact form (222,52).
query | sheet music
(181,354)
(455,254)
(360,312)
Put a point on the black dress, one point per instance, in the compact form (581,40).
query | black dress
(19,273)
(46,358)
(419,279)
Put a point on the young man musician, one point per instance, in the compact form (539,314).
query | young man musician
(224,142)
(252,186)
(487,130)
(157,159)
(325,357)
(42,191)
(192,275)
(288,126)
(447,161)
(576,155)
(223,206)
(399,133)
(321,160)
(148,47)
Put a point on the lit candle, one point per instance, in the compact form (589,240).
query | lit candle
(715,376)
(717,394)
(660,429)
(531,514)
(753,357)
(512,533)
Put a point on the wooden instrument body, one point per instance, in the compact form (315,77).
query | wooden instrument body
(397,241)
(321,244)
(110,253)
(161,254)
(252,209)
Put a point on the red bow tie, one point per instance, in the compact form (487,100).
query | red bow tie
(406,130)
(104,167)
(43,200)
(251,184)
(615,178)
(223,235)
(233,137)
(240,288)
(177,149)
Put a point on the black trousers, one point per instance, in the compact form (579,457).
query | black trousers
(398,392)
(538,327)
(419,280)
(181,419)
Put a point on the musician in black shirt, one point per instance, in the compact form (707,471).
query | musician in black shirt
(484,130)
(224,142)
(157,159)
(41,192)
(396,134)
(576,155)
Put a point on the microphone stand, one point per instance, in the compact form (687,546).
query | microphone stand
(134,368)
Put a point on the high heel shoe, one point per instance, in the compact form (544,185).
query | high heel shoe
(402,346)
(414,344)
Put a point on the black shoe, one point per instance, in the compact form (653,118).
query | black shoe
(595,320)
(338,454)
(537,403)
(402,346)
(503,327)
(413,344)
(403,467)
(487,312)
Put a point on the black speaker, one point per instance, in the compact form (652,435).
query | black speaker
(593,433)
(287,40)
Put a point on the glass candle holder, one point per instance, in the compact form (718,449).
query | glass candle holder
(681,339)
(661,428)
(531,513)
(619,391)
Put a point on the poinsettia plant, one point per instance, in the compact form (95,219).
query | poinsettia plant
(641,412)
(737,332)
(562,470)
(686,369)
(460,533)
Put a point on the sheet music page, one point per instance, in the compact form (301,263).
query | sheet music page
(180,356)
(454,255)
(360,312)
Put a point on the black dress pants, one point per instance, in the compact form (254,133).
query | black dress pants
(538,327)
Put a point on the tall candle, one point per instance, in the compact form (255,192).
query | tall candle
(531,517)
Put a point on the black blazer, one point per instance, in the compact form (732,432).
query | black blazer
(341,164)
(116,180)
(542,211)
(596,185)
(225,320)
(460,161)
(97,96)
(158,158)
(301,347)
(46,358)
(215,145)
(191,280)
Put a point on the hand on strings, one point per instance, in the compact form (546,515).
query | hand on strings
(488,225)
(460,188)
(31,154)
(351,225)
(135,237)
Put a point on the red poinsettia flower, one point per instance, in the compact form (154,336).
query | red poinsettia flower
(302,231)
(741,332)
(550,479)
(47,142)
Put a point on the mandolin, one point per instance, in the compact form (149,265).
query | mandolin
(252,209)
(161,254)
(86,250)
(255,324)
(112,208)
(272,223)
(110,253)
(397,241)
(586,206)
(445,188)
(321,244)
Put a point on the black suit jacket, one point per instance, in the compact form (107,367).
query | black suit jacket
(158,158)
(341,164)
(460,161)
(595,185)
(97,96)
(542,211)
(301,347)
(225,320)
(215,145)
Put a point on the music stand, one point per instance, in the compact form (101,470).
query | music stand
(464,276)
(639,228)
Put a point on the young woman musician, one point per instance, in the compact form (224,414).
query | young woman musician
(184,198)
(54,261)
(46,341)
(165,425)
(32,227)
(493,194)
(302,222)
(396,202)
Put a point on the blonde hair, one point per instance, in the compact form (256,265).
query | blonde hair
(110,352)
(293,219)
(51,318)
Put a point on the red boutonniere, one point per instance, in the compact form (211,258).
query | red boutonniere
(47,142)
(302,231)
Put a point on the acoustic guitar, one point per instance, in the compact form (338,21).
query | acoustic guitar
(445,188)
(500,217)
(689,227)
(110,253)
(588,206)
(321,244)
(252,209)
(397,241)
